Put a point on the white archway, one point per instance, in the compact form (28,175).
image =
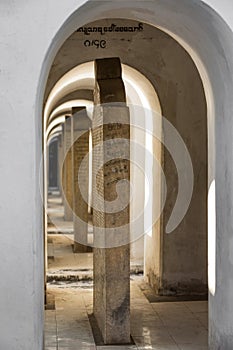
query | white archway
(214,52)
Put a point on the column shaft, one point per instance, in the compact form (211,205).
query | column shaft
(68,172)
(111,230)
(81,126)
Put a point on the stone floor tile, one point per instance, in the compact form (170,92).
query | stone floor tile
(140,330)
(159,347)
(203,318)
(192,347)
(75,344)
(197,306)
(180,322)
(112,347)
(188,335)
(157,337)
(77,347)
(151,344)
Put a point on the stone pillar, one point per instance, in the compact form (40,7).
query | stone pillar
(81,126)
(60,160)
(53,164)
(111,232)
(67,172)
(62,164)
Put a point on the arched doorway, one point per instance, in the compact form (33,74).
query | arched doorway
(169,259)
(211,74)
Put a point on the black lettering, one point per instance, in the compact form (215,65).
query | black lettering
(96,43)
(87,43)
(140,26)
(103,44)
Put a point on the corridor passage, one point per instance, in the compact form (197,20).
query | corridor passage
(155,326)
(179,325)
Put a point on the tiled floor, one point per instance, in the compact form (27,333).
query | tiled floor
(158,326)
(154,326)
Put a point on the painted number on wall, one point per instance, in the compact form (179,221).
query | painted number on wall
(99,44)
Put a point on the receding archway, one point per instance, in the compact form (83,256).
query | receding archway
(177,97)
(182,96)
(215,76)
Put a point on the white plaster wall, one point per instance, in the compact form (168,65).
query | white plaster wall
(28,29)
(23,47)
